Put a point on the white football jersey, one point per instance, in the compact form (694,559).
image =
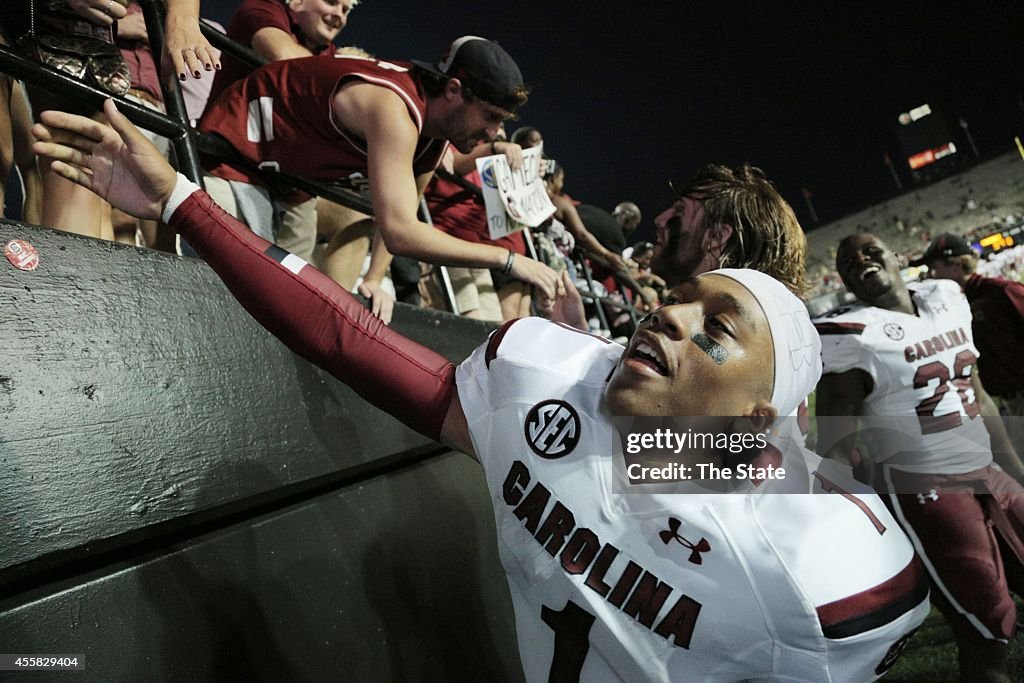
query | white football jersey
(922,414)
(636,587)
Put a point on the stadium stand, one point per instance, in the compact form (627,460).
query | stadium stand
(983,199)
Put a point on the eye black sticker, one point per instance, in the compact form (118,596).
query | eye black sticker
(710,347)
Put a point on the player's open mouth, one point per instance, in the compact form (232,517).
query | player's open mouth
(647,355)
(870,271)
(333,23)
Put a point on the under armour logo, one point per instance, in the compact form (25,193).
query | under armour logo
(923,498)
(672,534)
(552,429)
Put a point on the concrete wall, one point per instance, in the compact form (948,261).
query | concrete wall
(181,498)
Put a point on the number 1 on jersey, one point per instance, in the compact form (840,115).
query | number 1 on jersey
(572,640)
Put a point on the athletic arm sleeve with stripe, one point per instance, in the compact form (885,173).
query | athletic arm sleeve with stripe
(315,317)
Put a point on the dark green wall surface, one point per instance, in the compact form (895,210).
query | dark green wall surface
(182,498)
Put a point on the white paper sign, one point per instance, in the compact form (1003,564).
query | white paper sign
(514,199)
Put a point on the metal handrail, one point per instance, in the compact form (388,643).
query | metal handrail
(185,149)
(59,83)
(588,276)
(220,40)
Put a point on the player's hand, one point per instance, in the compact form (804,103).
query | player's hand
(99,12)
(118,163)
(132,27)
(186,50)
(569,308)
(549,285)
(382,303)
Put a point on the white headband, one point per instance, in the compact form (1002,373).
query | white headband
(796,342)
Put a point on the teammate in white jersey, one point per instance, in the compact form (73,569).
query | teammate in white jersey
(900,369)
(607,585)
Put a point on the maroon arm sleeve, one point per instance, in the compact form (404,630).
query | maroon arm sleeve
(319,320)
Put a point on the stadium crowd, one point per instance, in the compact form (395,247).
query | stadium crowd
(405,133)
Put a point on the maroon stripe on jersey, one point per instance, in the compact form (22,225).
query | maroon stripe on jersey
(495,341)
(839,328)
(876,606)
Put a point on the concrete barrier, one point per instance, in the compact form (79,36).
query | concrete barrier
(182,498)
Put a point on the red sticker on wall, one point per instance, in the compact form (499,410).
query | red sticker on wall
(22,255)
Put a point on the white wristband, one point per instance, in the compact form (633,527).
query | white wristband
(183,188)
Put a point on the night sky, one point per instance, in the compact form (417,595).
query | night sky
(630,95)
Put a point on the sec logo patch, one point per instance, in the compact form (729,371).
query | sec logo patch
(893,331)
(552,429)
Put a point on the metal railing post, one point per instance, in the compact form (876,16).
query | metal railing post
(186,151)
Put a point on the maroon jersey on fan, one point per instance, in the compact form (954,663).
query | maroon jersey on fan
(280,117)
(250,17)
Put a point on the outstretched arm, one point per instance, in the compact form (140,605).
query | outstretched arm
(297,303)
(382,118)
(566,212)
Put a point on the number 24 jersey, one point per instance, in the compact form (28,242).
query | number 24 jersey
(922,414)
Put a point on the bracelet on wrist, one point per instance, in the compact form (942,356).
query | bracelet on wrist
(508,263)
(493,150)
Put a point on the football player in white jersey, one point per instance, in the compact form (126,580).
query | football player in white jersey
(900,369)
(607,584)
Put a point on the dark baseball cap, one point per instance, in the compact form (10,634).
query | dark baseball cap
(484,67)
(946,244)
